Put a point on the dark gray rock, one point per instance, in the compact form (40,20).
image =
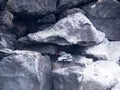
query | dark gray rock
(63,4)
(6,20)
(101,75)
(32,7)
(48,49)
(3,4)
(8,41)
(25,70)
(74,29)
(48,19)
(105,15)
(70,11)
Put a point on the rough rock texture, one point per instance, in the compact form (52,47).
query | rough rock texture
(63,4)
(94,77)
(59,45)
(104,51)
(70,11)
(6,20)
(32,7)
(105,15)
(25,70)
(7,41)
(74,29)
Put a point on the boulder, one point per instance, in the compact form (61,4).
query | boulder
(32,7)
(101,75)
(6,20)
(25,70)
(104,15)
(74,29)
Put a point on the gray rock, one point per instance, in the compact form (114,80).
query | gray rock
(48,19)
(108,50)
(5,20)
(48,49)
(70,11)
(8,41)
(32,7)
(105,15)
(63,4)
(101,75)
(74,29)
(25,70)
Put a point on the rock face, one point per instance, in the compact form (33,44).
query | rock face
(32,7)
(7,41)
(101,75)
(63,4)
(74,29)
(25,70)
(6,20)
(107,19)
(104,51)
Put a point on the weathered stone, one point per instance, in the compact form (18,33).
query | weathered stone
(108,50)
(105,15)
(101,75)
(63,4)
(6,20)
(25,70)
(32,7)
(70,11)
(74,29)
(8,41)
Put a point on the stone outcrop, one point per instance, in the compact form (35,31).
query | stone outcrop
(74,29)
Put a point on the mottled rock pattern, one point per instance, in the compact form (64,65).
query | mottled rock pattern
(108,50)
(6,20)
(25,70)
(32,7)
(101,75)
(8,41)
(105,15)
(74,29)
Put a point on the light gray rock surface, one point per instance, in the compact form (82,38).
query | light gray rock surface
(101,75)
(8,41)
(74,29)
(108,50)
(105,16)
(25,70)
